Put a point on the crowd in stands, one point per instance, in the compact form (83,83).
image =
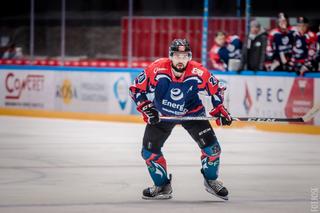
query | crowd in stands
(284,48)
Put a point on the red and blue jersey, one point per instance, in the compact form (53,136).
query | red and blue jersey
(304,47)
(318,48)
(280,43)
(176,96)
(220,55)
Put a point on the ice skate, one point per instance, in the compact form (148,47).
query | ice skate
(216,188)
(158,192)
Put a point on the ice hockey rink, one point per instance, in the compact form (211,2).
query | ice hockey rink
(56,165)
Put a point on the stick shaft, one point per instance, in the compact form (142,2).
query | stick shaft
(249,119)
(307,117)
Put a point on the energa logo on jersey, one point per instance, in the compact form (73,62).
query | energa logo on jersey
(176,94)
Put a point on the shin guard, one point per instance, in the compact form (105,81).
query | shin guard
(157,167)
(210,160)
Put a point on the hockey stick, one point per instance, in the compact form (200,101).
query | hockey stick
(307,117)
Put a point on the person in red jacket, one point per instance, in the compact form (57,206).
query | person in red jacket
(176,83)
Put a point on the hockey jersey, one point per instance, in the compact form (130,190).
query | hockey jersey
(318,50)
(176,96)
(304,47)
(220,55)
(279,46)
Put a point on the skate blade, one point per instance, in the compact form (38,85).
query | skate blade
(158,197)
(212,192)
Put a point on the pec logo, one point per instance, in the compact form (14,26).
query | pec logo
(176,94)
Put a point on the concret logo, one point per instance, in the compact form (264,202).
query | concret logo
(247,102)
(176,94)
(66,91)
(16,85)
(121,89)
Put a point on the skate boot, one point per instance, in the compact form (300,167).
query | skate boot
(216,188)
(158,192)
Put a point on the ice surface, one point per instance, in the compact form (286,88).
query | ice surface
(55,165)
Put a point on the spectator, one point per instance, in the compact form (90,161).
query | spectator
(318,51)
(304,47)
(279,46)
(12,53)
(225,54)
(254,49)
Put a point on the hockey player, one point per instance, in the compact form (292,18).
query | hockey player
(318,51)
(225,54)
(279,46)
(304,47)
(176,82)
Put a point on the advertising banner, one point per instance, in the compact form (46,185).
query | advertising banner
(261,96)
(96,92)
(26,89)
(107,92)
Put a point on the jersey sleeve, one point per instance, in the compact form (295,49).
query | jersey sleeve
(312,46)
(141,85)
(214,88)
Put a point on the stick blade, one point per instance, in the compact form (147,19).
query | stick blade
(312,112)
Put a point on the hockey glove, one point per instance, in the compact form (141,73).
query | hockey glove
(149,112)
(222,114)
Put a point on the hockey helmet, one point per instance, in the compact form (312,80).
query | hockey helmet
(180,45)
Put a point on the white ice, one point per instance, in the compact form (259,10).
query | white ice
(55,165)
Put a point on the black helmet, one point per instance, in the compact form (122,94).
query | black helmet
(302,20)
(179,45)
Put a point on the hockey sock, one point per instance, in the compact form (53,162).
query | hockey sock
(210,160)
(157,167)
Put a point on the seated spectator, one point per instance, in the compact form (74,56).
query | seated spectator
(225,54)
(279,46)
(11,52)
(254,49)
(304,47)
(318,51)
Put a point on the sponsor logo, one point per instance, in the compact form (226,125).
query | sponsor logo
(15,85)
(197,71)
(301,98)
(141,77)
(157,69)
(120,89)
(285,40)
(179,107)
(298,43)
(231,47)
(176,94)
(247,101)
(66,91)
